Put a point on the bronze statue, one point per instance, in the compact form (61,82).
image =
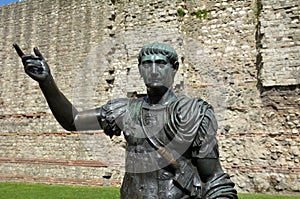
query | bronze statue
(172,151)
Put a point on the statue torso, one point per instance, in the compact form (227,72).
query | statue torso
(148,174)
(173,126)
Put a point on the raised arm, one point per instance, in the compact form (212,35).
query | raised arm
(65,113)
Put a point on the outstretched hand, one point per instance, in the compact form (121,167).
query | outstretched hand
(34,65)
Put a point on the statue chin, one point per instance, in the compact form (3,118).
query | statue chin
(157,85)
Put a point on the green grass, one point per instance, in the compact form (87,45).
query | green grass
(42,191)
(266,196)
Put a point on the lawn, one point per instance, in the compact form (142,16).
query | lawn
(42,191)
(266,196)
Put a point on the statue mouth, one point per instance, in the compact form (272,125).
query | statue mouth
(158,82)
(155,80)
(158,85)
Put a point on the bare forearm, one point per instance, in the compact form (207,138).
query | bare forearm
(61,107)
(65,113)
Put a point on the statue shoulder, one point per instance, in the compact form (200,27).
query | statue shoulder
(118,101)
(111,116)
(187,104)
(115,107)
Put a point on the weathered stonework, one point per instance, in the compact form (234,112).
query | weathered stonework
(279,35)
(241,56)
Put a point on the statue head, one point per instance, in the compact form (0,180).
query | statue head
(162,49)
(158,64)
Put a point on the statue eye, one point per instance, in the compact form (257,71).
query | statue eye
(146,64)
(161,62)
(161,65)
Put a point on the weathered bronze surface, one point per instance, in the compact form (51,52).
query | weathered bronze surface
(172,151)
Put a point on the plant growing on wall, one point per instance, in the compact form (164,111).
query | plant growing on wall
(180,12)
(200,14)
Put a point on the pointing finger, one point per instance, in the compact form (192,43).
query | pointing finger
(18,49)
(37,52)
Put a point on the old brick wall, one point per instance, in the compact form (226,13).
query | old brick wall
(241,56)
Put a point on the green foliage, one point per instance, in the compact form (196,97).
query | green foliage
(180,12)
(200,14)
(257,8)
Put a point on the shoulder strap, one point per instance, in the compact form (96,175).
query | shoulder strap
(135,107)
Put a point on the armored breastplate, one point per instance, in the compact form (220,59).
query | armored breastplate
(147,172)
(149,121)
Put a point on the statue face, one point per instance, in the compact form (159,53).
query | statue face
(157,71)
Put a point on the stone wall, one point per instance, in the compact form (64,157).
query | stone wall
(241,56)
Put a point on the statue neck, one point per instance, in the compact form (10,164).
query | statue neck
(161,96)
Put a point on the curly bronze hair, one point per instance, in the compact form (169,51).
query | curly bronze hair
(160,48)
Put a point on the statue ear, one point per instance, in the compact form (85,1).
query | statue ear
(176,65)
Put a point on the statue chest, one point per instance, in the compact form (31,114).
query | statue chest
(147,122)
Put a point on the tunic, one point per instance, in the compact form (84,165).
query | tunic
(185,127)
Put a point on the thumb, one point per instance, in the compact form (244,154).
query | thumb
(37,52)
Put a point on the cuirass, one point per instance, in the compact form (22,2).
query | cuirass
(147,173)
(149,122)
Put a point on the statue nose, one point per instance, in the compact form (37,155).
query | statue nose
(154,72)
